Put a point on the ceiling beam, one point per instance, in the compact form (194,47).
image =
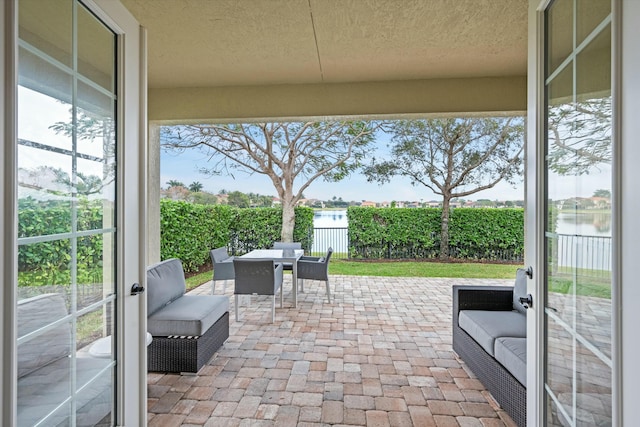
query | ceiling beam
(377,99)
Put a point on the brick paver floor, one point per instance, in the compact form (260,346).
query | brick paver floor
(379,355)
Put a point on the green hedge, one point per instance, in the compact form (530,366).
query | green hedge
(189,231)
(56,219)
(393,233)
(478,234)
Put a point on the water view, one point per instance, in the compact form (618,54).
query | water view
(325,234)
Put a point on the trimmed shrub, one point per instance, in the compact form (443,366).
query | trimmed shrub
(477,234)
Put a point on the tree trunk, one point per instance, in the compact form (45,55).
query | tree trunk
(288,221)
(444,229)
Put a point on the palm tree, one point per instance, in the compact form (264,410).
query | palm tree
(195,187)
(174,183)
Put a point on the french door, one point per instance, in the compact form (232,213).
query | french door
(577,350)
(78,356)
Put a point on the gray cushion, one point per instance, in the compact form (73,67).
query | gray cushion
(485,326)
(520,290)
(190,315)
(165,283)
(46,388)
(512,354)
(33,314)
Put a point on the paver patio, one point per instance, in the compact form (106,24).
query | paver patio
(379,355)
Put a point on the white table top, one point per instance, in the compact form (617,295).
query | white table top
(275,254)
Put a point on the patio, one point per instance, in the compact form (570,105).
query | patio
(379,355)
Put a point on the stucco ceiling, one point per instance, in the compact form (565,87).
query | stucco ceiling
(216,43)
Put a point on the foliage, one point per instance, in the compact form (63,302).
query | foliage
(238,199)
(482,234)
(487,234)
(189,231)
(195,187)
(175,183)
(203,198)
(393,233)
(258,228)
(453,158)
(49,261)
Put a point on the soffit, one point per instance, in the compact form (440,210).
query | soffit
(216,43)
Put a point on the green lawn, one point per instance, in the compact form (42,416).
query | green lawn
(402,269)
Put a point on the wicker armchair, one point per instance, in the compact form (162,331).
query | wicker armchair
(258,276)
(222,268)
(315,268)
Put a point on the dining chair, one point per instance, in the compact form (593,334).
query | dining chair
(260,277)
(315,268)
(287,245)
(222,268)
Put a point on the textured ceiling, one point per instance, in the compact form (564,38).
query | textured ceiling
(203,43)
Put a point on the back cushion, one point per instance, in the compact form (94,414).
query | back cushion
(165,283)
(33,314)
(520,290)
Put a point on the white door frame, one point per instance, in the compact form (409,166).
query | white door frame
(534,211)
(131,400)
(132,320)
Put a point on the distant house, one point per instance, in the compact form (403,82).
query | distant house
(368,204)
(601,203)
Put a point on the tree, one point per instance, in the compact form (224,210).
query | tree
(238,199)
(203,198)
(174,183)
(453,158)
(602,193)
(579,135)
(291,154)
(195,187)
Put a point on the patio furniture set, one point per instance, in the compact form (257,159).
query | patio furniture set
(188,329)
(489,322)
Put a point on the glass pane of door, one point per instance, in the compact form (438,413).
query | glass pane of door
(578,310)
(66,216)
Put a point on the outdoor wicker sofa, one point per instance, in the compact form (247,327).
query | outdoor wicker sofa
(489,335)
(186,329)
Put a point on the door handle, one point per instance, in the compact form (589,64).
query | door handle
(137,289)
(529,272)
(527,302)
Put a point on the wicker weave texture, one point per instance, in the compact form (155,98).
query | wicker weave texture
(187,354)
(508,392)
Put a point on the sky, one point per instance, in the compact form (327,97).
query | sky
(184,167)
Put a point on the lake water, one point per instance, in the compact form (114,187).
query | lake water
(331,218)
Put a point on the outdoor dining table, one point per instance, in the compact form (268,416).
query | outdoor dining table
(281,255)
